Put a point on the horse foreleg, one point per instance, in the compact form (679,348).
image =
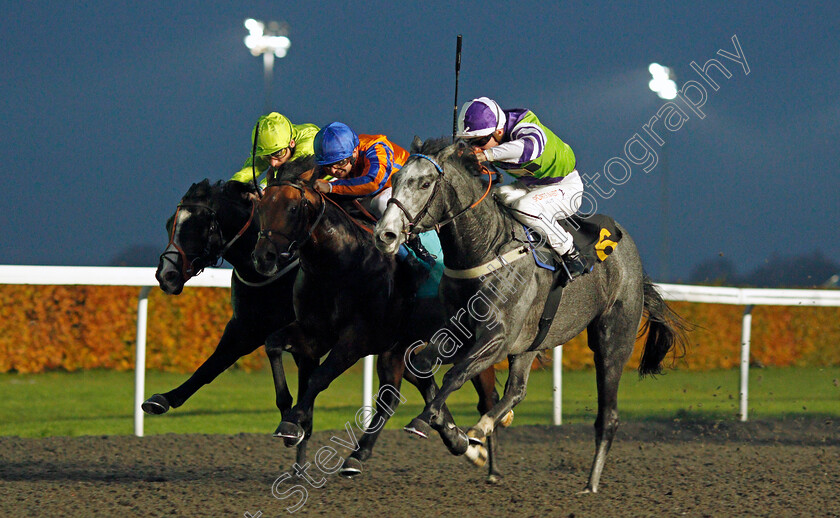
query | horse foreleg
(306,366)
(390,368)
(274,346)
(428,390)
(482,356)
(519,368)
(293,429)
(290,338)
(488,397)
(236,342)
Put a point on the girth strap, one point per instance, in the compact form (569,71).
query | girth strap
(552,302)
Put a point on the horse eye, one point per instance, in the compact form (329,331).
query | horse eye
(425,185)
(293,209)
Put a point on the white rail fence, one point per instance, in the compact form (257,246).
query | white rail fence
(220,278)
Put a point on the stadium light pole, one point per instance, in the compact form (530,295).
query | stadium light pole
(270,40)
(663,85)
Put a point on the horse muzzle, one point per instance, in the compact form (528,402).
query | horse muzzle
(388,234)
(169,278)
(267,259)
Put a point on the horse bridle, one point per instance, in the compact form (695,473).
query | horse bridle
(293,243)
(191,268)
(413,222)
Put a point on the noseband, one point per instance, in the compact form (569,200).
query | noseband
(191,268)
(413,222)
(293,244)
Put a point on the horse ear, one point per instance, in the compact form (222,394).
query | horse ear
(308,176)
(463,149)
(416,144)
(236,189)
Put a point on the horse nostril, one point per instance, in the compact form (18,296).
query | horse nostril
(387,237)
(171,276)
(263,258)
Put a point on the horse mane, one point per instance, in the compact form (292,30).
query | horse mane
(210,193)
(459,152)
(292,170)
(201,191)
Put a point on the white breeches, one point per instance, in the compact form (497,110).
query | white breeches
(377,204)
(544,205)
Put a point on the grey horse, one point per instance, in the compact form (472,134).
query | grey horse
(496,316)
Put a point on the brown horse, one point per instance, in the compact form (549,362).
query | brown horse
(351,301)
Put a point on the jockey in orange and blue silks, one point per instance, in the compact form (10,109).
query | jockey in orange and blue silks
(547,188)
(360,166)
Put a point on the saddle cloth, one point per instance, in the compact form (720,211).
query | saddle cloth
(596,236)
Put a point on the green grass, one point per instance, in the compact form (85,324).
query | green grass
(101,402)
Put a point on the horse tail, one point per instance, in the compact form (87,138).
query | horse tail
(666,331)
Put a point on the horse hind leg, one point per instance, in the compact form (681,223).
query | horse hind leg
(611,338)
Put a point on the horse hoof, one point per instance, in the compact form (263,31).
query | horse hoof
(461,444)
(494,478)
(476,437)
(507,420)
(155,405)
(587,491)
(351,468)
(477,454)
(291,433)
(419,428)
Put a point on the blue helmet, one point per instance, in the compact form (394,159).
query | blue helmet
(336,141)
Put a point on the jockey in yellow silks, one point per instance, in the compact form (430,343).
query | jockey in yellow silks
(277,142)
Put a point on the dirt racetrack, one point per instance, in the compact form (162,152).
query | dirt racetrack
(770,468)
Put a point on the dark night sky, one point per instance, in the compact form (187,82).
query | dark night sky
(111,110)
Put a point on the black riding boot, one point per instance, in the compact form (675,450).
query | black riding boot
(574,264)
(420,251)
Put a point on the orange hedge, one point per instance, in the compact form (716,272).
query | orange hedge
(85,327)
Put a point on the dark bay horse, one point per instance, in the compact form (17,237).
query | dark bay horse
(216,221)
(440,182)
(351,301)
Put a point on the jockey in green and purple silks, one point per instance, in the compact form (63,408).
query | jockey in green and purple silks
(548,187)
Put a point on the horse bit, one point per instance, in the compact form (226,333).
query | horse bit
(293,243)
(191,268)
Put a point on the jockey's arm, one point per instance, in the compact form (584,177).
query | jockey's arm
(527,142)
(246,175)
(378,166)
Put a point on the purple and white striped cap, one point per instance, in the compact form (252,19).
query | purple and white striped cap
(480,117)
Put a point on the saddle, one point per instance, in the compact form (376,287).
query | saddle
(596,237)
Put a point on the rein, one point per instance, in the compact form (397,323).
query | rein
(293,244)
(191,268)
(413,222)
(351,218)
